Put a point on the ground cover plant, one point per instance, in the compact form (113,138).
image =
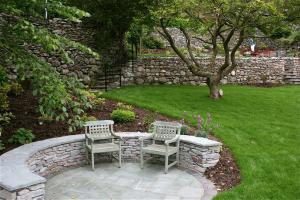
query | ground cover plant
(260,126)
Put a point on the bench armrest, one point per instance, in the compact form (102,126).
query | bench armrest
(117,137)
(141,139)
(91,139)
(150,136)
(175,139)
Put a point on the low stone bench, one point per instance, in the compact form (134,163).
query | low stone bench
(24,170)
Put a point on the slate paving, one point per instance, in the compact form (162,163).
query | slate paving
(127,183)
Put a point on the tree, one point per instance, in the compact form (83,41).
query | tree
(60,98)
(223,25)
(111,20)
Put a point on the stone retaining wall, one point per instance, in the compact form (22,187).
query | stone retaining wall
(155,70)
(174,71)
(85,67)
(34,192)
(55,159)
(198,158)
(27,166)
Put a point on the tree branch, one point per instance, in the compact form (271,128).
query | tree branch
(226,49)
(192,67)
(188,45)
(232,54)
(202,40)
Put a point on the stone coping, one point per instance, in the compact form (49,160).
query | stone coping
(220,57)
(15,173)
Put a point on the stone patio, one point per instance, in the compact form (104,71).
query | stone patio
(130,182)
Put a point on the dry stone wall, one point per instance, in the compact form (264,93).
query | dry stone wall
(157,70)
(85,67)
(33,192)
(174,71)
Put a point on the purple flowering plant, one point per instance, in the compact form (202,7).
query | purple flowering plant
(204,126)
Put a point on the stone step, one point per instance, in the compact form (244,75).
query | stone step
(293,79)
(112,82)
(294,83)
(291,73)
(102,87)
(290,77)
(97,87)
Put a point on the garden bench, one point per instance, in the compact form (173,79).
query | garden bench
(164,134)
(97,131)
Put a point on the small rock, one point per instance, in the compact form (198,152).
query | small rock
(86,80)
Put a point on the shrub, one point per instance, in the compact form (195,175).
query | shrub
(5,117)
(184,130)
(151,42)
(122,116)
(98,94)
(45,118)
(149,118)
(4,89)
(86,118)
(281,32)
(296,37)
(93,98)
(22,136)
(3,77)
(201,133)
(204,127)
(16,88)
(123,106)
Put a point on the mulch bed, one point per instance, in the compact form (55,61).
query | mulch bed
(225,174)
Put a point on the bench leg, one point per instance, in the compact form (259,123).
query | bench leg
(120,158)
(177,158)
(111,157)
(87,155)
(142,159)
(93,164)
(166,164)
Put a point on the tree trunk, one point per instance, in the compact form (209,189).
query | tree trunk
(214,88)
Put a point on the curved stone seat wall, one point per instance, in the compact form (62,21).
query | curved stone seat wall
(24,170)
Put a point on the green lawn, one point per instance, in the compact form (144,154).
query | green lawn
(260,125)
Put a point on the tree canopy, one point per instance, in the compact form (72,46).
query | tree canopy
(221,24)
(60,98)
(111,20)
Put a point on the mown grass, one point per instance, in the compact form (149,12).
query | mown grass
(261,126)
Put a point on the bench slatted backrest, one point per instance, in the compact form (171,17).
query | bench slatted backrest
(99,129)
(165,130)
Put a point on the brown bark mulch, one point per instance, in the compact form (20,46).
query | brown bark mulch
(225,174)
